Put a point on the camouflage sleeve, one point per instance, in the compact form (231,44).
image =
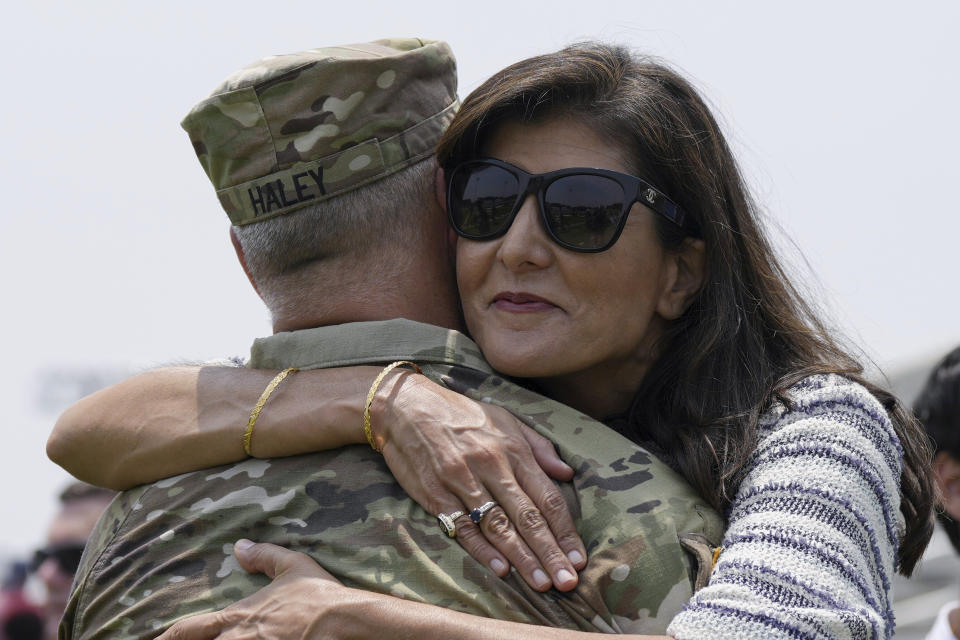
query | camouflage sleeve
(104,533)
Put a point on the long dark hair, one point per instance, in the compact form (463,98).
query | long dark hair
(748,335)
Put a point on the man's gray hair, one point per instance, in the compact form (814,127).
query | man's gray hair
(371,226)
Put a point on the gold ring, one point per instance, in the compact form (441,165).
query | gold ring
(447,524)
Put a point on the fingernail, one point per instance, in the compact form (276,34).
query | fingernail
(575,557)
(243,544)
(497,566)
(540,578)
(564,576)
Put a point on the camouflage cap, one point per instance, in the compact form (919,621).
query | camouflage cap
(294,129)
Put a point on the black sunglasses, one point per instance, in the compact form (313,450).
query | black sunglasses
(67,556)
(582,209)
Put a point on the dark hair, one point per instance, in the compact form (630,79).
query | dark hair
(82,491)
(748,335)
(938,409)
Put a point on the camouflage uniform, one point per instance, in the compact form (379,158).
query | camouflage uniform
(164,551)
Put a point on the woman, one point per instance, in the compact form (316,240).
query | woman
(676,324)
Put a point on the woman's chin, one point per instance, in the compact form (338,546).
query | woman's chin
(528,363)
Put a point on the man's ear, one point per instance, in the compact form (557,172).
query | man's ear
(685,273)
(440,193)
(946,472)
(242,258)
(440,188)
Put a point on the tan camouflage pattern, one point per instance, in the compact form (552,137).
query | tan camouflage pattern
(292,130)
(164,551)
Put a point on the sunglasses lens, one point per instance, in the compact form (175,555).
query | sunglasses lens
(583,211)
(482,199)
(67,558)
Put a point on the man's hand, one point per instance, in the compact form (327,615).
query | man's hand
(451,453)
(290,607)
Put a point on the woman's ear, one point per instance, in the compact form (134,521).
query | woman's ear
(686,271)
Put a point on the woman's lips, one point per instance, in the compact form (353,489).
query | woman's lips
(521,302)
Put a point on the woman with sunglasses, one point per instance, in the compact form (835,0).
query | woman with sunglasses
(610,256)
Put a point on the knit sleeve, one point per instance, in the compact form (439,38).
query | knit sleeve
(814,526)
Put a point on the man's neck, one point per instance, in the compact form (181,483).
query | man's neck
(364,313)
(354,295)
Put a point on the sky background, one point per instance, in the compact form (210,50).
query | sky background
(116,256)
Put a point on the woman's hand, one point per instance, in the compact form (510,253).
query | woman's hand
(305,602)
(289,607)
(451,453)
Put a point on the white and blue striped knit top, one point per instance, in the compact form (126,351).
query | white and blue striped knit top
(814,527)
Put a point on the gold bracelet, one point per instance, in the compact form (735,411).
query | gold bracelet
(367,429)
(257,408)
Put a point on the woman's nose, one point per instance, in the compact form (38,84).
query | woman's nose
(526,245)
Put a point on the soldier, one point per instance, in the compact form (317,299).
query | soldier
(323,161)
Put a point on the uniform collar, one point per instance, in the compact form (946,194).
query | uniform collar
(366,343)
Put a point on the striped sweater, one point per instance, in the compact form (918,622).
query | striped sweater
(814,526)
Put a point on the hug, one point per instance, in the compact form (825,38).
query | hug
(535,361)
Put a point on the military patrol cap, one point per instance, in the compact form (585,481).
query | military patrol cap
(291,130)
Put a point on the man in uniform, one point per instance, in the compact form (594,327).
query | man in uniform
(324,163)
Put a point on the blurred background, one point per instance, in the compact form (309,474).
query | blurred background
(116,255)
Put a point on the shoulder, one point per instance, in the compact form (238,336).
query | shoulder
(829,422)
(814,525)
(830,442)
(825,412)
(825,394)
(97,555)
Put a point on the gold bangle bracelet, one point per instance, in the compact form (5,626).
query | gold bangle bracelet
(367,429)
(257,408)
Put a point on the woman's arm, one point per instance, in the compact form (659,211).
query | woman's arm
(177,419)
(305,602)
(813,528)
(448,452)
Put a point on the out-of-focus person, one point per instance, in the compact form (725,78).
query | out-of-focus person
(938,408)
(20,619)
(56,563)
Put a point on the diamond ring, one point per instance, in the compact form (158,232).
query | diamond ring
(477,514)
